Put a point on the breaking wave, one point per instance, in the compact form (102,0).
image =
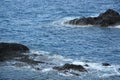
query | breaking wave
(93,68)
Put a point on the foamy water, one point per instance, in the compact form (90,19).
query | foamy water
(58,60)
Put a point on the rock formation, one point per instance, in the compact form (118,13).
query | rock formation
(70,66)
(108,18)
(10,50)
(106,64)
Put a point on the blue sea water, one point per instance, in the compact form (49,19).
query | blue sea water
(39,25)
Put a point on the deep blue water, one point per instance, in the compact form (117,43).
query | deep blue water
(38,24)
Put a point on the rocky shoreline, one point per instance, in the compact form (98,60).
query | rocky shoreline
(14,51)
(108,18)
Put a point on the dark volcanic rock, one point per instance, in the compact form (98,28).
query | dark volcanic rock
(106,64)
(108,18)
(10,50)
(70,66)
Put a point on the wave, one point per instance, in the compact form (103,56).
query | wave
(61,22)
(93,67)
(117,26)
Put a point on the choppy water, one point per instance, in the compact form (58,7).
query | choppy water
(39,25)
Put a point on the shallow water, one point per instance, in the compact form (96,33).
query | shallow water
(39,25)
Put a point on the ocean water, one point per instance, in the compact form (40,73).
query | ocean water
(39,25)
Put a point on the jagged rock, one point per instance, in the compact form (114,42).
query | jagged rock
(108,18)
(70,67)
(10,50)
(106,64)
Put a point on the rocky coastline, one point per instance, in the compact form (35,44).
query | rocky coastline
(108,18)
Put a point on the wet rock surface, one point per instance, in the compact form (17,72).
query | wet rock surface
(10,50)
(70,66)
(106,64)
(108,18)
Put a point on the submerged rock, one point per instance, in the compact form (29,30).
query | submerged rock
(70,67)
(86,65)
(10,50)
(106,64)
(108,18)
(118,69)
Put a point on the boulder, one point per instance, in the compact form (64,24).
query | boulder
(70,67)
(108,18)
(10,50)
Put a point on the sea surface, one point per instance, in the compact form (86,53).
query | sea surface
(39,24)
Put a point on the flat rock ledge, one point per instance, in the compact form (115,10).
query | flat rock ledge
(108,18)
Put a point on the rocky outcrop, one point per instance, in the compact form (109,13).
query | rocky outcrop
(70,67)
(10,50)
(106,64)
(108,18)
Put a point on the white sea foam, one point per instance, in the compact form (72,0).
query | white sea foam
(59,57)
(47,56)
(10,41)
(58,60)
(61,21)
(47,69)
(118,26)
(78,63)
(39,52)
(65,74)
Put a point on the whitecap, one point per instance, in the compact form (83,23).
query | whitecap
(118,26)
(39,52)
(61,21)
(47,69)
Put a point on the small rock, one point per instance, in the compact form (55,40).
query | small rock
(86,65)
(37,68)
(70,66)
(106,64)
